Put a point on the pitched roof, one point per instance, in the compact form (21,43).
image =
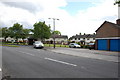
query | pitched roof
(60,36)
(84,36)
(113,25)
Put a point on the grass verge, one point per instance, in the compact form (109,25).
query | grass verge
(10,45)
(57,45)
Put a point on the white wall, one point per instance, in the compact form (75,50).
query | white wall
(86,40)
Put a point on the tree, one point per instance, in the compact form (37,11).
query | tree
(16,31)
(41,31)
(117,2)
(0,32)
(56,32)
(25,33)
(5,33)
(80,33)
(11,33)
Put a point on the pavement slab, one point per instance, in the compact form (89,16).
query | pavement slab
(94,54)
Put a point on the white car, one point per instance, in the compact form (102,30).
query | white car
(74,45)
(38,44)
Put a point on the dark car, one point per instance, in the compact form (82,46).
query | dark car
(91,46)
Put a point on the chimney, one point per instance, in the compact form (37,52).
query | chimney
(118,21)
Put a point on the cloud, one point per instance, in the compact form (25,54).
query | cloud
(24,5)
(87,21)
(27,12)
(11,15)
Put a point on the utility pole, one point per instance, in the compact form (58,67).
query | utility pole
(53,30)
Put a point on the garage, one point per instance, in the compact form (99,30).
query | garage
(108,36)
(102,44)
(114,45)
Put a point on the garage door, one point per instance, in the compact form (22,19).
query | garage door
(102,44)
(115,45)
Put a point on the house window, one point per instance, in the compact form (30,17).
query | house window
(93,38)
(87,38)
(75,38)
(84,38)
(78,38)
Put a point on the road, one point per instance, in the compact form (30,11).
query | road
(27,62)
(0,62)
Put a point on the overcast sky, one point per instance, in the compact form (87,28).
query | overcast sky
(75,16)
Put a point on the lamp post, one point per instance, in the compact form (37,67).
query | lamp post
(53,29)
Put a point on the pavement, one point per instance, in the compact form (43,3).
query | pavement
(94,54)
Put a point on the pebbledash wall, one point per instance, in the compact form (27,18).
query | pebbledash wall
(108,36)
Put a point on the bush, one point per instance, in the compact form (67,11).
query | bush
(86,46)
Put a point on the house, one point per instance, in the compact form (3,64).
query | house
(108,36)
(83,39)
(59,39)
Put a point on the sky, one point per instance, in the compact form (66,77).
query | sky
(75,16)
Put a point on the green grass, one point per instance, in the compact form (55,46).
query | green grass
(57,45)
(10,45)
(5,43)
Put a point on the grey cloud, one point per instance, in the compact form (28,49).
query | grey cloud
(10,24)
(32,7)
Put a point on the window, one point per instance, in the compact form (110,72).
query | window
(75,38)
(87,38)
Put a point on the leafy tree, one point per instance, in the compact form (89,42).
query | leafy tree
(5,33)
(117,2)
(41,31)
(0,32)
(17,31)
(11,33)
(31,30)
(56,32)
(80,33)
(25,33)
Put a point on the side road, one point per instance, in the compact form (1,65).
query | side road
(94,54)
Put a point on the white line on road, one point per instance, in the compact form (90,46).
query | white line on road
(26,53)
(60,61)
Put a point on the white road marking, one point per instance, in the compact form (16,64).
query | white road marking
(0,69)
(60,61)
(26,53)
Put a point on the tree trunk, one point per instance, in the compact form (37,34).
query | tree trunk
(17,41)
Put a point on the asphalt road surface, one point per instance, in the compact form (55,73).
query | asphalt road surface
(27,62)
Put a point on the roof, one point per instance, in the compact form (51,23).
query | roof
(84,36)
(113,25)
(60,36)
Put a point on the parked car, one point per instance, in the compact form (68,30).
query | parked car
(91,46)
(74,45)
(38,44)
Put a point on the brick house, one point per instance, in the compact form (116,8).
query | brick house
(108,36)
